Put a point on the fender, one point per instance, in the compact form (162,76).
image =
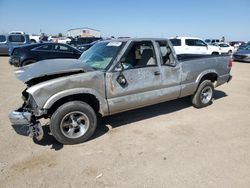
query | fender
(102,102)
(198,79)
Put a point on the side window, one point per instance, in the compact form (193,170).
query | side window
(62,48)
(223,45)
(190,42)
(140,54)
(43,48)
(167,57)
(199,43)
(2,38)
(176,42)
(16,38)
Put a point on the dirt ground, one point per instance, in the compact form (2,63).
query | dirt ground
(166,145)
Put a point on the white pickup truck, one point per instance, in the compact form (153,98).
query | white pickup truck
(34,38)
(190,45)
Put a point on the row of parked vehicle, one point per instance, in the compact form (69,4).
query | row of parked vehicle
(243,53)
(190,45)
(17,38)
(23,53)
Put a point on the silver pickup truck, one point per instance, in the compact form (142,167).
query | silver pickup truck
(111,77)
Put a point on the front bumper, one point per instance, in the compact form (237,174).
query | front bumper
(14,61)
(23,123)
(20,117)
(241,58)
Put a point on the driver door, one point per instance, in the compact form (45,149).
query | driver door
(139,83)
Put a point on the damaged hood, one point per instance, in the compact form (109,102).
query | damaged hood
(48,68)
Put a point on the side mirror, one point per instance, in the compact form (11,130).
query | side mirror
(120,66)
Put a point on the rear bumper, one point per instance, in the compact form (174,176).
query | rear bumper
(241,58)
(223,79)
(230,78)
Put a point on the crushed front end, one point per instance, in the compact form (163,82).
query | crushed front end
(27,116)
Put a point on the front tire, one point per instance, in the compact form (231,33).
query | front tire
(204,94)
(73,122)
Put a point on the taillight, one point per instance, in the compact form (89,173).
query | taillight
(229,63)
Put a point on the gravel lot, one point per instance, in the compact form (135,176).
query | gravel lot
(167,145)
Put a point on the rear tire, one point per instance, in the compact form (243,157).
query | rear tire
(73,123)
(204,94)
(215,53)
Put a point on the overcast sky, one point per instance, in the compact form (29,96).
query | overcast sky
(135,18)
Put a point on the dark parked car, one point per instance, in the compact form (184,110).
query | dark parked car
(80,41)
(243,45)
(236,43)
(28,54)
(7,41)
(242,54)
(84,47)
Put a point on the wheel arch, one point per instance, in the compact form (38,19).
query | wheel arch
(215,53)
(211,75)
(98,103)
(28,59)
(33,40)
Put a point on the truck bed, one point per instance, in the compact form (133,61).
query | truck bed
(187,57)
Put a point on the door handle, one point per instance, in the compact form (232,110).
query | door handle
(157,73)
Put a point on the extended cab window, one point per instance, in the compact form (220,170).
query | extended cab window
(167,57)
(16,38)
(140,54)
(176,42)
(43,48)
(2,38)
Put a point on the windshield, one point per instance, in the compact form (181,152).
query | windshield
(101,54)
(247,47)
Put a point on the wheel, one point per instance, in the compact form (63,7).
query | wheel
(73,122)
(215,53)
(204,94)
(230,52)
(28,62)
(32,41)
